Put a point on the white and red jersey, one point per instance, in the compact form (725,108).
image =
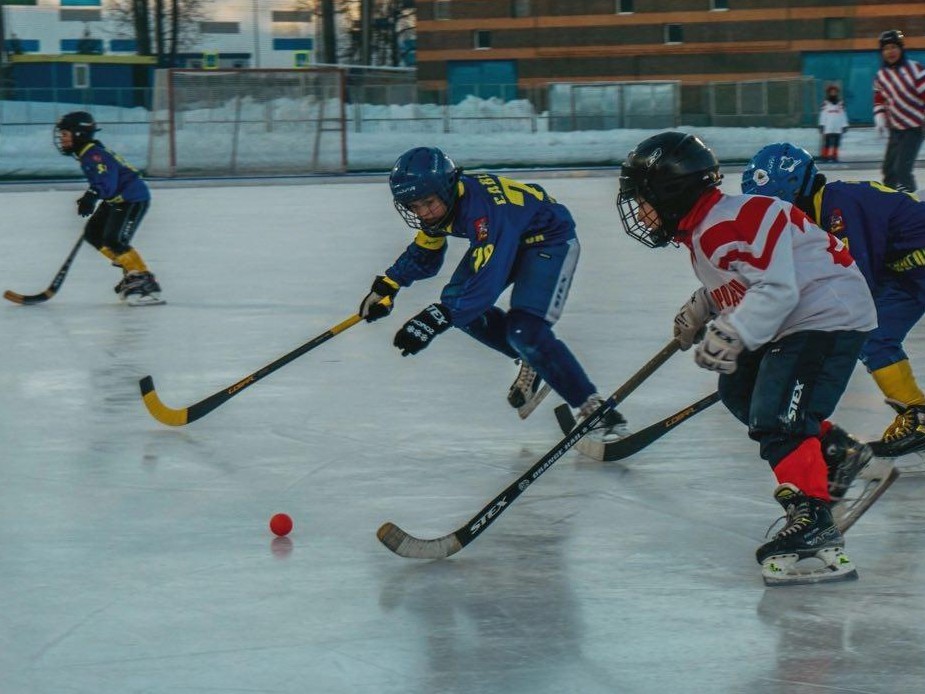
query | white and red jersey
(771,271)
(899,93)
(833,119)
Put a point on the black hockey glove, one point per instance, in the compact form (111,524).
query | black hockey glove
(370,308)
(420,331)
(87,203)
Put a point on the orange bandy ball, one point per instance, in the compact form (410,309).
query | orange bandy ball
(281,524)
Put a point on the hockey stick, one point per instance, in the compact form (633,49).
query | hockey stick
(185,415)
(27,299)
(405,545)
(629,445)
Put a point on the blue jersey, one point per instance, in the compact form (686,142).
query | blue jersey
(884,229)
(110,176)
(500,217)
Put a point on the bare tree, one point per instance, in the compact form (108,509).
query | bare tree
(377,34)
(138,17)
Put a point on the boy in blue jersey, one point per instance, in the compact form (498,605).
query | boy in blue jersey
(885,233)
(518,236)
(125,199)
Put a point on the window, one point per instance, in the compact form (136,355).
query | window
(719,4)
(80,76)
(836,28)
(220,27)
(296,44)
(674,33)
(292,16)
(625,7)
(482,38)
(80,15)
(442,9)
(78,3)
(520,8)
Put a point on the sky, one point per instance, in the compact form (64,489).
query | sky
(137,557)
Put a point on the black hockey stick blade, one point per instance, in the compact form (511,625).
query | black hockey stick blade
(406,545)
(179,417)
(609,451)
(27,299)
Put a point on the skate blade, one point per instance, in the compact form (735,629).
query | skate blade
(825,566)
(527,408)
(144,300)
(869,485)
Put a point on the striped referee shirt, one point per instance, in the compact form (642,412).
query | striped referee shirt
(899,92)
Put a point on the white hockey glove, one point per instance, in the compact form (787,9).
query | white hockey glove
(880,125)
(691,321)
(720,348)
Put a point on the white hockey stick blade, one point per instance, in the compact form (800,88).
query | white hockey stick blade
(405,545)
(871,482)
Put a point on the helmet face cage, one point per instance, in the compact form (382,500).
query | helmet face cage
(420,173)
(80,125)
(781,170)
(646,228)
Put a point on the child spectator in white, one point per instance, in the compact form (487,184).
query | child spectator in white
(833,121)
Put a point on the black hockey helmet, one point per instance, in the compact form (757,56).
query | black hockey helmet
(421,172)
(892,36)
(82,128)
(670,172)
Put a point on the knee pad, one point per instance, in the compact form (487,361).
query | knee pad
(527,333)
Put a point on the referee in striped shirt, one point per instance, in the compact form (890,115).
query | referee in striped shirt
(899,105)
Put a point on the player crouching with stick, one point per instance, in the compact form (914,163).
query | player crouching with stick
(781,316)
(125,199)
(518,235)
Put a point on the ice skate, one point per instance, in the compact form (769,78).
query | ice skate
(874,479)
(905,435)
(527,391)
(845,457)
(612,427)
(809,549)
(141,289)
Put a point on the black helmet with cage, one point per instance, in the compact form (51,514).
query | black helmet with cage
(669,172)
(82,128)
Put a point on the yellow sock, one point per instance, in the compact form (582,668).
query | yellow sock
(108,252)
(898,383)
(131,261)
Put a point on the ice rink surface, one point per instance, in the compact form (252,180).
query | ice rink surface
(136,559)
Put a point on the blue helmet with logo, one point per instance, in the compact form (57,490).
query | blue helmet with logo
(782,170)
(419,173)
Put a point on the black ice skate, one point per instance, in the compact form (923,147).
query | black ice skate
(855,480)
(527,391)
(809,549)
(905,435)
(845,457)
(141,289)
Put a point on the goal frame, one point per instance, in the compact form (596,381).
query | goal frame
(171,105)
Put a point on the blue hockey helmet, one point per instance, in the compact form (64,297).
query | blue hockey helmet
(782,170)
(80,125)
(419,173)
(669,172)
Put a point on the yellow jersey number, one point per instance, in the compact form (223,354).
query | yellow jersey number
(481,255)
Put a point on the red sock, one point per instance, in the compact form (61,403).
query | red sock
(805,467)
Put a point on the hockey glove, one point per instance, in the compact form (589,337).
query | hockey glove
(720,347)
(691,322)
(87,203)
(370,308)
(420,331)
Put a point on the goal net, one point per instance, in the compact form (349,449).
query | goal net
(247,121)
